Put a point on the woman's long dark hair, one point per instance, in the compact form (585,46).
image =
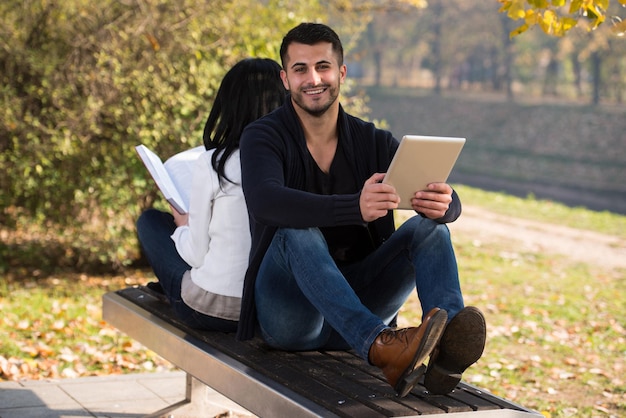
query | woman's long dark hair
(249,90)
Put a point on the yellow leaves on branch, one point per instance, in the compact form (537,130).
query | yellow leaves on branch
(557,17)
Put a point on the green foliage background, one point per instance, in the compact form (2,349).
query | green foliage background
(83,82)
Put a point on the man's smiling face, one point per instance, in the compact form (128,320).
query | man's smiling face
(313,76)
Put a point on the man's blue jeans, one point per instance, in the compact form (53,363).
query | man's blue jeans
(305,301)
(154,229)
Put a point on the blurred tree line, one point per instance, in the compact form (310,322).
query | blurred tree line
(468,45)
(83,82)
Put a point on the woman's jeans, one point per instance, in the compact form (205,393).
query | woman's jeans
(154,230)
(305,301)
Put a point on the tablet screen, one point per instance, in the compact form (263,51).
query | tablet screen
(421,160)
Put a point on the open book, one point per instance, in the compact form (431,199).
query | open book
(174,176)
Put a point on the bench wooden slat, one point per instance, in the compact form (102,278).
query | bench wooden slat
(385,404)
(419,399)
(271,382)
(476,403)
(376,389)
(294,375)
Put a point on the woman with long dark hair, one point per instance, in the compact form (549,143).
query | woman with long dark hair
(200,258)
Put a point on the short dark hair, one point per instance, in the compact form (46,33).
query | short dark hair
(250,89)
(311,34)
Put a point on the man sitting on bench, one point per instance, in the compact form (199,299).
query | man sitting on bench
(327,269)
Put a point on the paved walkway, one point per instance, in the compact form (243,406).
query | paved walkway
(134,395)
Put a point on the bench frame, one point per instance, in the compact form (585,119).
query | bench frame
(224,374)
(242,383)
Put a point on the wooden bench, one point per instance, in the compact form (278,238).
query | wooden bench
(273,383)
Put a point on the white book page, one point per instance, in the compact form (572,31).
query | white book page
(164,178)
(180,168)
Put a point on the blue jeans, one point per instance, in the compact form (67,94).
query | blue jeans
(305,301)
(154,230)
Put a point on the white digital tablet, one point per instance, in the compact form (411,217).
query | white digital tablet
(421,160)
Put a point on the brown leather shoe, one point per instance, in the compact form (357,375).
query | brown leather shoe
(461,345)
(398,352)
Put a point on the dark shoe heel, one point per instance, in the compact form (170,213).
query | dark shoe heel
(435,327)
(405,385)
(442,381)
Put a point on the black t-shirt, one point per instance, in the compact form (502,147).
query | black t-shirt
(348,243)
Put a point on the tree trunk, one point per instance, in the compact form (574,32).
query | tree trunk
(551,77)
(577,69)
(507,60)
(437,9)
(378,67)
(596,68)
(377,55)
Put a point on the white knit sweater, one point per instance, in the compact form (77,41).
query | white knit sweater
(216,242)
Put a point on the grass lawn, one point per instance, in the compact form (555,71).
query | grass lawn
(556,337)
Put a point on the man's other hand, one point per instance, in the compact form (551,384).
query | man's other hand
(434,202)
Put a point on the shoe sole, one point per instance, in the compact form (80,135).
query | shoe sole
(460,347)
(434,329)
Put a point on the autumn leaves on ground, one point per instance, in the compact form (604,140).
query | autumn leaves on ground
(52,328)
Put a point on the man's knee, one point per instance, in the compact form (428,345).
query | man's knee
(294,335)
(298,233)
(442,231)
(300,237)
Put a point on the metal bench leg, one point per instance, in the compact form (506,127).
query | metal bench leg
(165,412)
(196,403)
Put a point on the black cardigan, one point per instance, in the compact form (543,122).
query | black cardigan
(274,172)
